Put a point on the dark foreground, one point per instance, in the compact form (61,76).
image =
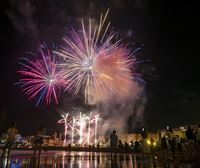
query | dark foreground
(60,159)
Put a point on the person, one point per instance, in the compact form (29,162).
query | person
(164,144)
(173,145)
(190,135)
(178,143)
(171,142)
(190,138)
(113,140)
(126,146)
(38,140)
(198,135)
(137,146)
(132,145)
(120,145)
(11,134)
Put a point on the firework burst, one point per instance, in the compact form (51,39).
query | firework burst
(41,78)
(96,63)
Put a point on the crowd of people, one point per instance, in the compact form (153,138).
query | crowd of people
(190,142)
(169,142)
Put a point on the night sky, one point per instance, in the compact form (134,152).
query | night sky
(167,31)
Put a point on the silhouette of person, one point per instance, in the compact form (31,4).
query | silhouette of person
(38,140)
(113,140)
(198,134)
(11,134)
(164,143)
(120,145)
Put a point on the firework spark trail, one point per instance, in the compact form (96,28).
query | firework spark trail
(96,64)
(89,129)
(41,78)
(96,118)
(65,120)
(73,129)
(83,125)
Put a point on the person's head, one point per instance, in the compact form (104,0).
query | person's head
(114,132)
(189,127)
(13,124)
(199,125)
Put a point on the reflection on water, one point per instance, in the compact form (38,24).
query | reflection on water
(84,160)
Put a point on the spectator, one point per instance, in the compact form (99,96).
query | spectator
(190,135)
(178,143)
(164,143)
(11,132)
(198,135)
(38,140)
(137,146)
(120,145)
(190,138)
(126,146)
(113,140)
(132,145)
(171,140)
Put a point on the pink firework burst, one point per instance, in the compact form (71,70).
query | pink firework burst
(41,77)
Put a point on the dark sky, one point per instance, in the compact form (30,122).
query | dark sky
(168,30)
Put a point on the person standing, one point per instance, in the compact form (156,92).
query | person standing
(198,135)
(11,134)
(113,140)
(178,143)
(190,137)
(38,140)
(171,141)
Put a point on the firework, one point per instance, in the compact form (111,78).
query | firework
(96,63)
(82,123)
(41,78)
(96,118)
(65,120)
(81,126)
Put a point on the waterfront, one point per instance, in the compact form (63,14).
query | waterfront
(59,159)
